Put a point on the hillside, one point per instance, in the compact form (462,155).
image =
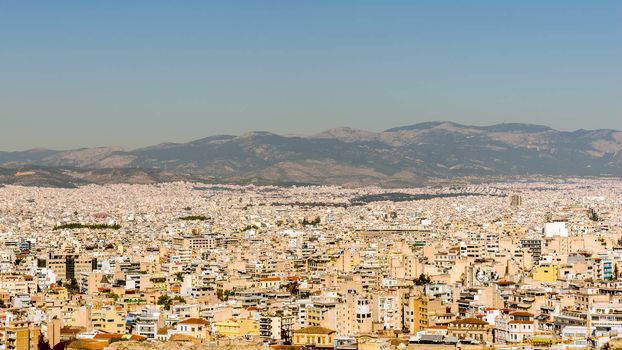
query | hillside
(402,156)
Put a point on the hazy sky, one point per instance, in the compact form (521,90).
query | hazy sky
(134,73)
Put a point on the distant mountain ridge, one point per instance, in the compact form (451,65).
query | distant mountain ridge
(401,156)
(503,127)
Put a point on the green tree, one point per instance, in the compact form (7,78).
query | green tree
(293,288)
(422,280)
(223,295)
(592,214)
(76,225)
(194,218)
(314,222)
(165,301)
(72,286)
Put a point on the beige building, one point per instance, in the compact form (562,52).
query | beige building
(195,327)
(354,315)
(319,337)
(108,319)
(237,328)
(471,328)
(323,313)
(67,266)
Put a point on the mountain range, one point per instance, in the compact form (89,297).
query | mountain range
(402,156)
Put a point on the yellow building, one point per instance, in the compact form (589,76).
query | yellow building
(319,337)
(108,320)
(546,273)
(159,282)
(420,308)
(20,335)
(237,328)
(59,293)
(416,313)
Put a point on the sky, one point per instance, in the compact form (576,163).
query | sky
(136,73)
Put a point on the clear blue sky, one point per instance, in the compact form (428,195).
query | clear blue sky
(134,73)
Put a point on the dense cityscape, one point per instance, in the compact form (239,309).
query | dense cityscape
(506,265)
(311,175)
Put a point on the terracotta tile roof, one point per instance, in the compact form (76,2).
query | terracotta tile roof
(86,344)
(163,330)
(314,330)
(270,279)
(194,321)
(521,313)
(108,336)
(469,320)
(71,330)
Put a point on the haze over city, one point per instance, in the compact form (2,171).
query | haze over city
(133,74)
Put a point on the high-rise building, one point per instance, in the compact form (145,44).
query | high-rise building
(416,313)
(516,200)
(354,315)
(67,266)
